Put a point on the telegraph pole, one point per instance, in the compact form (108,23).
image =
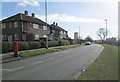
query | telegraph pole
(79,34)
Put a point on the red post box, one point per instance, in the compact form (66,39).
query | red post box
(16,48)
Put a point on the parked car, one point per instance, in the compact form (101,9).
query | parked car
(87,43)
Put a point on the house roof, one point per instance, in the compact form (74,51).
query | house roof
(24,17)
(57,27)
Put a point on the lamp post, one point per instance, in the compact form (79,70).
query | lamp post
(79,34)
(46,23)
(106,30)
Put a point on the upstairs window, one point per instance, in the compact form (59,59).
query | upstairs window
(10,24)
(15,24)
(44,28)
(3,25)
(35,26)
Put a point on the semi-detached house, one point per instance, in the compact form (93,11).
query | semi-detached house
(22,27)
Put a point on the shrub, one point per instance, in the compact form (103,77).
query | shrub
(64,42)
(7,47)
(23,46)
(34,45)
(52,43)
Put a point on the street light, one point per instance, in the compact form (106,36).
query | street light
(46,23)
(106,30)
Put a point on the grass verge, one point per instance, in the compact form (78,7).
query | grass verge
(44,51)
(105,67)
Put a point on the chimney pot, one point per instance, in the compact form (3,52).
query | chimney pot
(56,24)
(53,23)
(33,14)
(26,12)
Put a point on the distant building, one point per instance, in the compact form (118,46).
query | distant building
(75,35)
(76,38)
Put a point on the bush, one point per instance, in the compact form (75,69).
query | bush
(64,42)
(23,46)
(52,43)
(7,47)
(34,45)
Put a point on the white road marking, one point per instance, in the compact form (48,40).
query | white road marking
(38,62)
(51,58)
(17,68)
(12,69)
(5,69)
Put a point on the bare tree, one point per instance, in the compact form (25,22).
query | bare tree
(102,34)
(88,38)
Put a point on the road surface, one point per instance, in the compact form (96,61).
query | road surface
(62,65)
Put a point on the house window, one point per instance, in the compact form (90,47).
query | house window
(30,24)
(37,37)
(64,32)
(44,28)
(44,35)
(10,24)
(3,25)
(15,24)
(53,31)
(61,32)
(15,36)
(36,26)
(4,37)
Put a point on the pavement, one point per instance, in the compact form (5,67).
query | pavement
(62,65)
(9,57)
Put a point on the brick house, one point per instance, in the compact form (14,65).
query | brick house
(22,27)
(57,31)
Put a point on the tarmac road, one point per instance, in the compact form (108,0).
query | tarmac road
(61,65)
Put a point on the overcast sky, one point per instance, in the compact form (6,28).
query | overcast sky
(89,16)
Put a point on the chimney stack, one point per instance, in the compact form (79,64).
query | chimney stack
(56,24)
(53,23)
(33,14)
(26,12)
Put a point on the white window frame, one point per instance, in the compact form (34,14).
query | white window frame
(15,24)
(35,26)
(45,28)
(37,36)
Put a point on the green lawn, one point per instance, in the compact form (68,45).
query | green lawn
(105,67)
(44,51)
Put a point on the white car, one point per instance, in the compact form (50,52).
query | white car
(87,43)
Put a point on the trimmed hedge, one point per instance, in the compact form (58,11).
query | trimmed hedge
(53,43)
(7,47)
(23,46)
(64,42)
(34,45)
